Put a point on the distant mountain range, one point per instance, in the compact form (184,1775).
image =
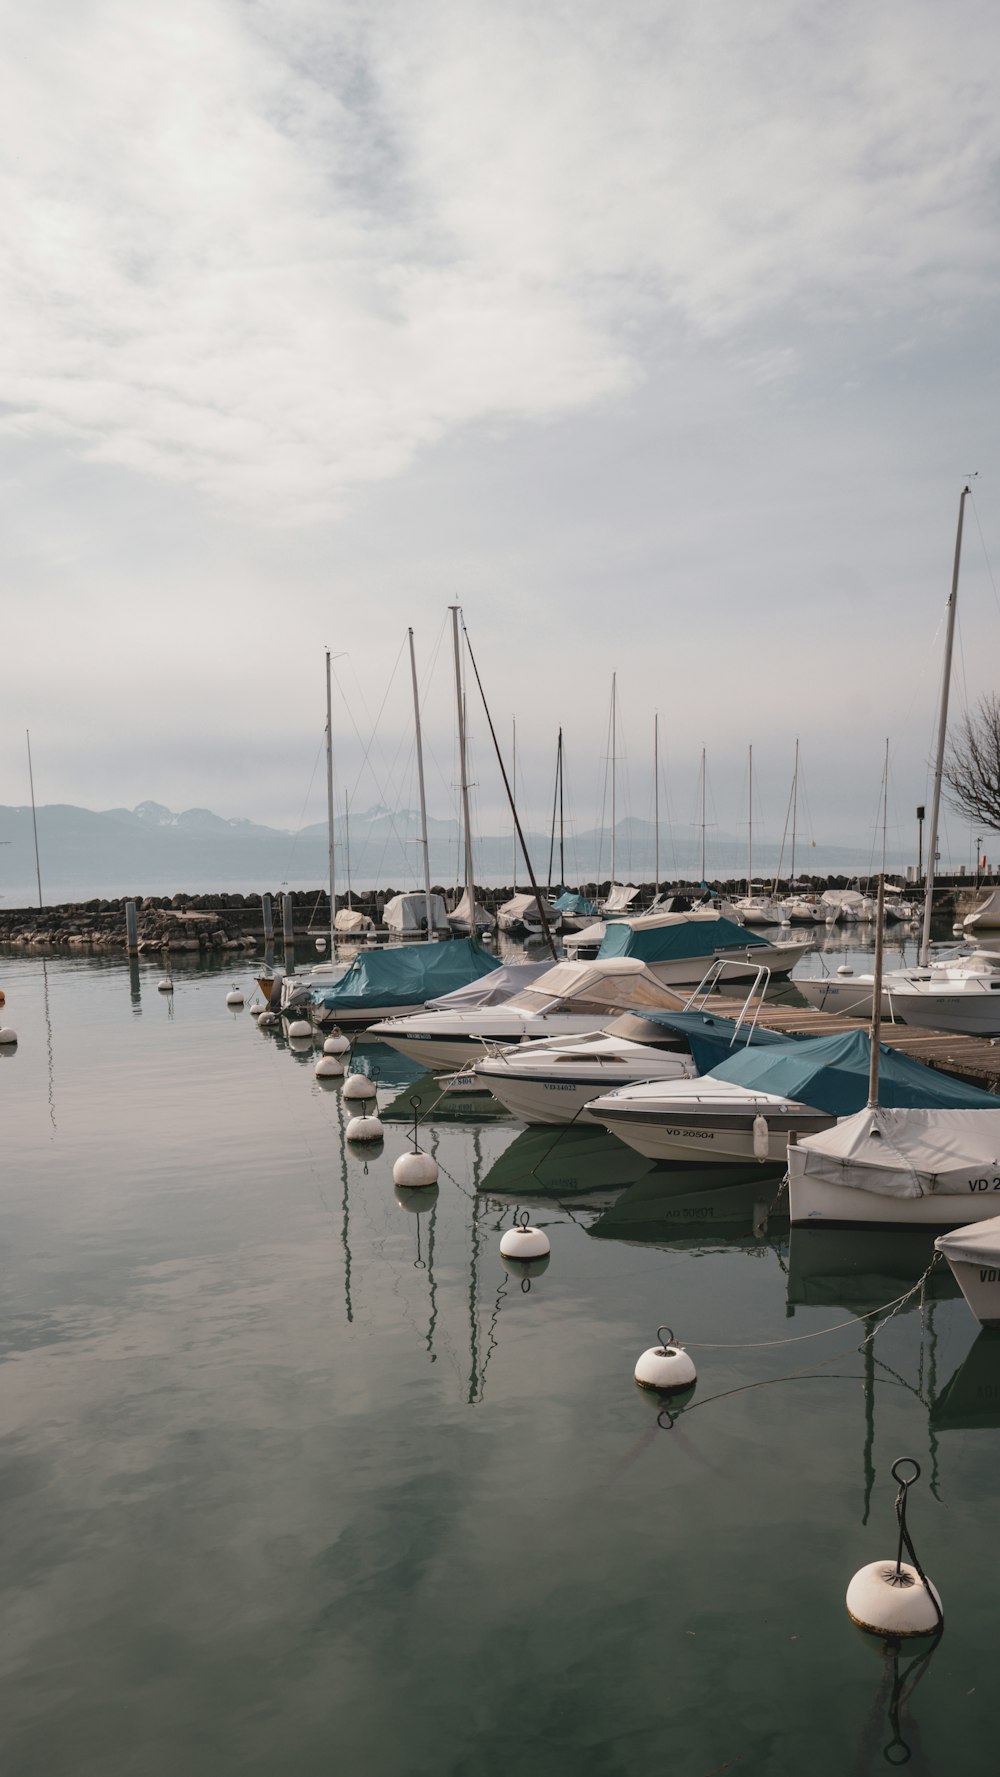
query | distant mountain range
(150,849)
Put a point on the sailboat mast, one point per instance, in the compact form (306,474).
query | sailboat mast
(555,805)
(876,1025)
(331,858)
(423,799)
(470,887)
(513,779)
(703,814)
(795,806)
(614,773)
(656,803)
(925,939)
(347,842)
(750,825)
(562,835)
(34,820)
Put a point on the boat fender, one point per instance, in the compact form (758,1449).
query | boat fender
(896,1597)
(300,1027)
(329,1067)
(665,1366)
(359,1086)
(761,1138)
(364,1129)
(524,1242)
(413,1170)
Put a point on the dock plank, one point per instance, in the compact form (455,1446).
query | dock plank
(974,1058)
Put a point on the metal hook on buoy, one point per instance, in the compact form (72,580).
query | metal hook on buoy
(416,1101)
(897,1599)
(522,1218)
(664,1342)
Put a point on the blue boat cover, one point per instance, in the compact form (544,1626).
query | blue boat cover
(668,943)
(407,975)
(831,1073)
(710,1037)
(568,903)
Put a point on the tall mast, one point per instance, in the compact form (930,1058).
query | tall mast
(513,779)
(795,806)
(555,805)
(470,887)
(34,820)
(423,800)
(347,843)
(614,772)
(562,837)
(876,1025)
(329,808)
(656,802)
(750,826)
(942,738)
(703,814)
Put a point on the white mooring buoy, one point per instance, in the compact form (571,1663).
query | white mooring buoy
(896,1598)
(7,1036)
(359,1086)
(415,1170)
(267,1020)
(235,996)
(364,1128)
(666,1366)
(844,969)
(761,1138)
(335,1044)
(300,1027)
(165,986)
(257,1009)
(321,944)
(329,1067)
(524,1242)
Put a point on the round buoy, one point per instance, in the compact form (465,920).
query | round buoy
(887,1602)
(844,969)
(958,930)
(329,1068)
(267,1020)
(165,986)
(524,1242)
(256,1010)
(415,1170)
(359,1086)
(665,1366)
(235,997)
(8,1036)
(300,1027)
(364,1129)
(761,1138)
(335,1044)
(321,944)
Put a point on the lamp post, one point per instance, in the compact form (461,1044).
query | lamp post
(920,844)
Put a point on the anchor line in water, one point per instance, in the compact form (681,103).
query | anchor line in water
(888,1309)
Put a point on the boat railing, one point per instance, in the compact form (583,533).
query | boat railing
(710,981)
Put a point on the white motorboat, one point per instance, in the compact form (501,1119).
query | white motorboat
(941,981)
(973,1255)
(710,1122)
(568,999)
(553,1080)
(928,1166)
(678,947)
(966,1001)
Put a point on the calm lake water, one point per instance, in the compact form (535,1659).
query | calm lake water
(296,1479)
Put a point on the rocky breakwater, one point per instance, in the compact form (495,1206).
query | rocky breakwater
(178,922)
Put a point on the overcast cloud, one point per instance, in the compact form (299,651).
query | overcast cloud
(660,336)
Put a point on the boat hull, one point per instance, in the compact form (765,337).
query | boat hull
(815,1201)
(980,1285)
(710,1139)
(964,1014)
(541,1098)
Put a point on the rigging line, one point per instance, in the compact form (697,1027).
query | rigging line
(986,557)
(298,831)
(374,725)
(366,749)
(889,1309)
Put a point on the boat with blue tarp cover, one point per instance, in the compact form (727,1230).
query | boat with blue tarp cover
(678,946)
(390,982)
(750,1103)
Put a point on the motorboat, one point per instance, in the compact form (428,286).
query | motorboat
(575,911)
(973,1255)
(801,1086)
(678,947)
(910,1165)
(930,994)
(521,919)
(961,1000)
(569,999)
(382,982)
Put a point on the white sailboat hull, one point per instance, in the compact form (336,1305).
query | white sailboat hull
(980,1285)
(815,1200)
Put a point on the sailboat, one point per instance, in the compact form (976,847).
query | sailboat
(912,1164)
(466,917)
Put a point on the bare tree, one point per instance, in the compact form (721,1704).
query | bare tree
(972,764)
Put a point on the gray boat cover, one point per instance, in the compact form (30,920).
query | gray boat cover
(905,1153)
(978,1244)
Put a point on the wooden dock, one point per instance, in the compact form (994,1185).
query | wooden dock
(968,1058)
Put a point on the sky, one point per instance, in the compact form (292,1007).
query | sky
(660,337)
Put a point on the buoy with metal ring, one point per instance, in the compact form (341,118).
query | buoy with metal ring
(7,1036)
(235,996)
(257,1009)
(844,969)
(335,1044)
(665,1366)
(415,1170)
(896,1598)
(321,944)
(524,1242)
(359,1086)
(300,1027)
(365,1128)
(165,986)
(329,1067)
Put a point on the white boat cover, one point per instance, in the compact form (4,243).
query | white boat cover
(851,899)
(622,981)
(621,895)
(986,915)
(904,1153)
(979,1244)
(460,914)
(523,906)
(350,920)
(408,912)
(490,990)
